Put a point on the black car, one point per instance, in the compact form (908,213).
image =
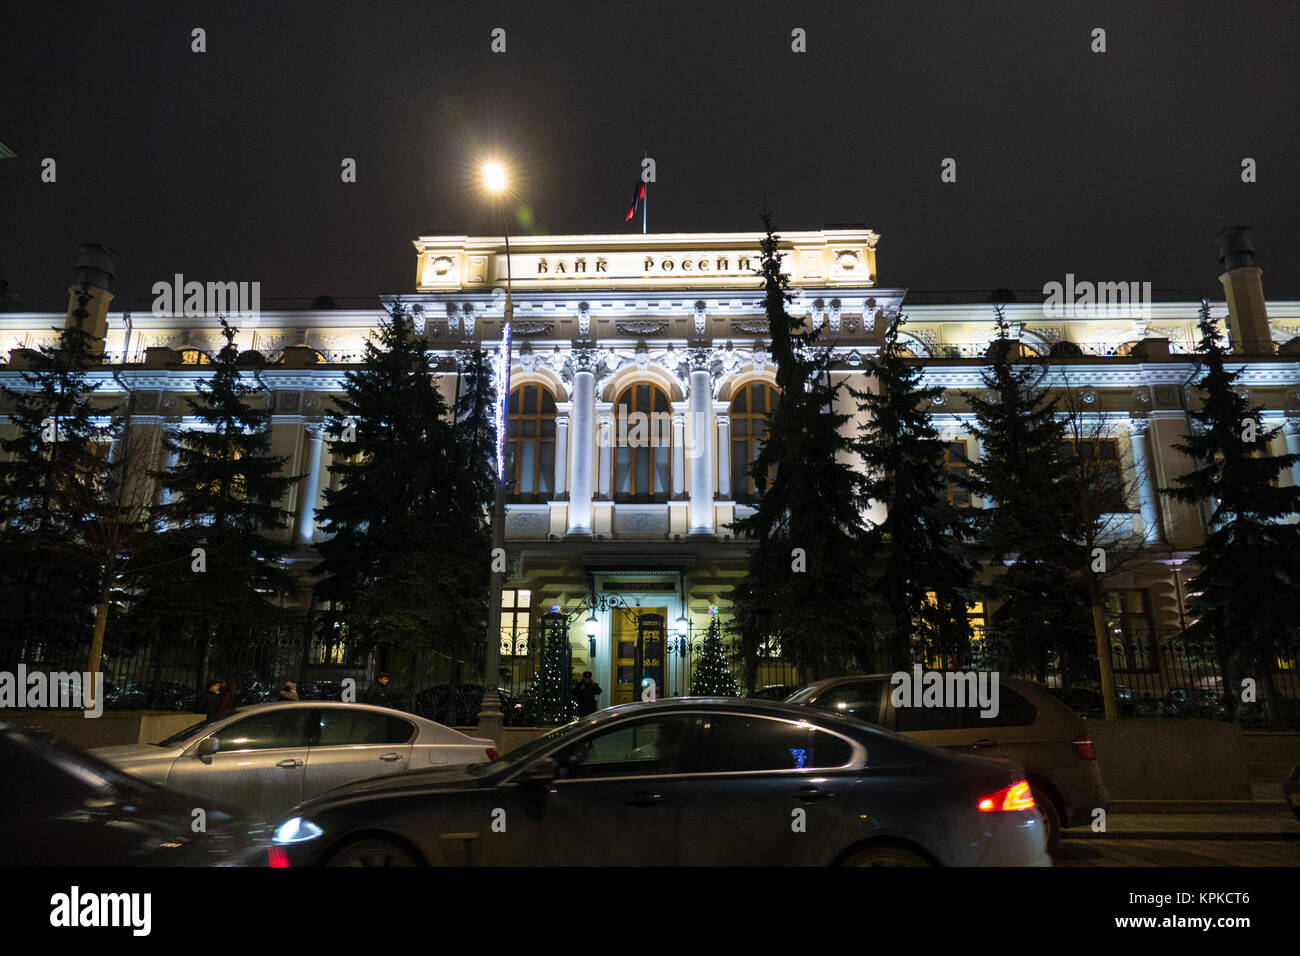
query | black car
(774,692)
(686,781)
(62,807)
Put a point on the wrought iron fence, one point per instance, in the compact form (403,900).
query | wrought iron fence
(1166,675)
(1163,676)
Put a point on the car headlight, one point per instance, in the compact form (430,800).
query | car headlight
(296,830)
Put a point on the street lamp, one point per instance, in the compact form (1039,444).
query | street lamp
(489,718)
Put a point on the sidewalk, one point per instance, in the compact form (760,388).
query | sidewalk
(1267,817)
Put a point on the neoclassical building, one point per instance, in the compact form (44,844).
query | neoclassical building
(639,379)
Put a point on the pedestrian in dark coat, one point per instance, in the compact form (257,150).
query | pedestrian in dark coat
(379,693)
(585,693)
(212,700)
(228,691)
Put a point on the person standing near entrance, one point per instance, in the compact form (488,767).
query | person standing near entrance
(585,693)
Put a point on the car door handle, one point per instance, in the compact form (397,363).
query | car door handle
(289,764)
(644,799)
(391,757)
(812,794)
(986,743)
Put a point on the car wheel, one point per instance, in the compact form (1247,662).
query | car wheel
(1051,818)
(885,856)
(372,853)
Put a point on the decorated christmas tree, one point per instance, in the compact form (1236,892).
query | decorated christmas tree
(713,672)
(553,682)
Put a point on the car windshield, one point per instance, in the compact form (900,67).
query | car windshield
(799,696)
(189,733)
(527,751)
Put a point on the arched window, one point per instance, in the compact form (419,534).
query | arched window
(530,443)
(749,409)
(643,436)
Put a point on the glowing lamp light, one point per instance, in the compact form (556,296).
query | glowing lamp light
(682,625)
(591,625)
(494,177)
(1018,796)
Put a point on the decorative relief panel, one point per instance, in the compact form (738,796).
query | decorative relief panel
(628,520)
(640,328)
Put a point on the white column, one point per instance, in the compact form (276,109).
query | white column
(724,451)
(700,450)
(1137,428)
(679,454)
(310,483)
(606,440)
(561,450)
(979,457)
(584,441)
(1291,430)
(169,463)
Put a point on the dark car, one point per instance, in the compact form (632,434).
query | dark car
(1195,702)
(773,692)
(62,807)
(155,695)
(1084,701)
(686,781)
(1032,728)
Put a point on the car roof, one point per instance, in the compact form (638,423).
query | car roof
(828,682)
(748,704)
(427,726)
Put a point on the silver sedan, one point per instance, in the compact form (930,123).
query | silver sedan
(268,757)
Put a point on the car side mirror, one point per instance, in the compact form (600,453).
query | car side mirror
(207,747)
(540,771)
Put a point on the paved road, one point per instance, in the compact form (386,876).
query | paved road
(1224,852)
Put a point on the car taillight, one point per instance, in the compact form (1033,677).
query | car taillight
(1084,747)
(1018,796)
(276,856)
(492,754)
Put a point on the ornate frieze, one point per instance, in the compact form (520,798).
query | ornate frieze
(640,328)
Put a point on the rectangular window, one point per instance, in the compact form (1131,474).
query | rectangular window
(1132,630)
(1100,464)
(515,604)
(954,463)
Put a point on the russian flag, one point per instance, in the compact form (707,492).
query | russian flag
(637,198)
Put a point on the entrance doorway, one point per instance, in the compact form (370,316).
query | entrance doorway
(627,656)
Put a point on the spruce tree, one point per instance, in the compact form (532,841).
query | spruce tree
(713,677)
(52,487)
(923,574)
(1025,476)
(214,571)
(407,562)
(801,591)
(552,686)
(1246,595)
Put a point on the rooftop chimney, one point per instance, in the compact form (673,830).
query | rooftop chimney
(1247,315)
(96,268)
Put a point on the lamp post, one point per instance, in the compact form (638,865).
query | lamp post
(489,717)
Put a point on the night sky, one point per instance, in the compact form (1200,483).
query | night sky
(225,165)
